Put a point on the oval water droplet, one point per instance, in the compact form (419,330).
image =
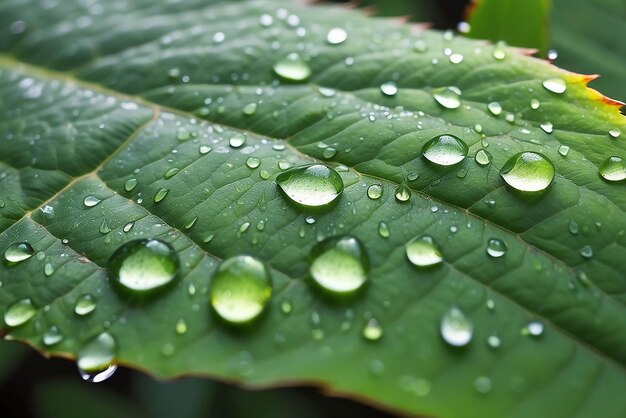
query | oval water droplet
(586,251)
(456,329)
(253,162)
(383,229)
(448,97)
(48,269)
(104,227)
(533,328)
(181,327)
(613,169)
(555,85)
(335,36)
(372,330)
(389,88)
(423,251)
(18,251)
(249,109)
(130,185)
(445,150)
(19,313)
(563,150)
(52,336)
(402,193)
(375,191)
(499,51)
(528,172)
(160,195)
(237,140)
(170,173)
(483,157)
(95,358)
(496,248)
(292,68)
(91,201)
(614,133)
(547,127)
(144,265)
(240,289)
(339,265)
(482,384)
(495,108)
(313,185)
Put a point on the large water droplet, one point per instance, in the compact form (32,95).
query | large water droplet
(253,162)
(95,359)
(339,265)
(456,329)
(613,169)
(292,68)
(423,251)
(555,85)
(375,191)
(240,289)
(496,248)
(383,229)
(313,185)
(448,97)
(91,201)
(445,150)
(144,265)
(19,251)
(85,304)
(19,313)
(528,172)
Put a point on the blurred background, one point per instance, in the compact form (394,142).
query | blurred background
(587,36)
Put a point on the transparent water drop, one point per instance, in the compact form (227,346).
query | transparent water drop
(613,169)
(547,127)
(19,313)
(528,172)
(383,229)
(572,227)
(264,174)
(552,54)
(292,68)
(494,341)
(456,58)
(448,97)
(104,227)
(95,359)
(445,150)
(240,289)
(563,150)
(456,329)
(249,109)
(496,248)
(253,162)
(144,265)
(482,384)
(423,251)
(130,184)
(85,304)
(128,226)
(237,140)
(533,328)
(339,265)
(586,251)
(160,195)
(375,191)
(499,51)
(534,104)
(98,376)
(181,327)
(614,133)
(483,157)
(18,252)
(495,108)
(312,185)
(555,85)
(48,269)
(389,88)
(329,152)
(91,201)
(402,193)
(335,36)
(191,223)
(204,149)
(170,173)
(52,336)
(372,331)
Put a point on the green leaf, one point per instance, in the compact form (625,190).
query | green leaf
(94,95)
(519,23)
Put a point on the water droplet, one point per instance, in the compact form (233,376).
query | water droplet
(264,174)
(249,109)
(191,223)
(329,152)
(547,127)
(91,201)
(19,313)
(483,157)
(104,227)
(181,327)
(95,358)
(552,54)
(456,58)
(495,108)
(496,248)
(130,185)
(586,251)
(456,329)
(240,289)
(528,172)
(183,134)
(48,269)
(85,304)
(613,169)
(445,150)
(448,97)
(534,104)
(383,229)
(499,51)
(372,330)
(336,36)
(482,384)
(52,336)
(555,85)
(170,173)
(375,191)
(144,265)
(389,88)
(204,149)
(160,195)
(563,150)
(533,328)
(494,341)
(253,162)
(286,307)
(339,265)
(423,251)
(402,193)
(128,226)
(614,133)
(19,251)
(313,185)
(292,68)
(237,140)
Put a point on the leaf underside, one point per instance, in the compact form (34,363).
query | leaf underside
(95,93)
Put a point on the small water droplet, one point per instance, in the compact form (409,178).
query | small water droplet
(85,304)
(483,157)
(335,36)
(533,328)
(181,327)
(170,173)
(375,191)
(586,251)
(286,307)
(313,185)
(495,108)
(528,172)
(128,226)
(456,329)
(19,313)
(563,150)
(445,150)
(144,265)
(389,88)
(372,330)
(237,140)
(613,169)
(494,341)
(52,336)
(160,195)
(614,133)
(264,174)
(48,269)
(329,152)
(555,85)
(104,227)
(499,50)
(383,229)
(18,252)
(339,265)
(534,104)
(292,68)
(402,193)
(240,289)
(456,58)
(482,384)
(547,127)
(423,251)
(448,97)
(204,149)
(249,109)
(552,54)
(91,201)
(253,162)
(130,185)
(95,358)
(496,248)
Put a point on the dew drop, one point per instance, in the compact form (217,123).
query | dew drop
(19,251)
(91,201)
(52,336)
(528,172)
(496,248)
(160,195)
(499,51)
(555,85)
(292,68)
(456,329)
(48,269)
(130,184)
(586,251)
(572,227)
(533,328)
(547,127)
(482,384)
(181,327)
(249,109)
(445,150)
(144,265)
(389,88)
(423,251)
(383,229)
(534,104)
(253,162)
(170,173)
(85,304)
(204,149)
(448,97)
(613,169)
(19,313)
(335,36)
(375,191)
(495,108)
(494,341)
(483,157)
(329,152)
(402,193)
(240,289)
(237,140)
(95,358)
(312,185)
(614,133)
(563,150)
(98,376)
(372,330)
(104,227)
(339,265)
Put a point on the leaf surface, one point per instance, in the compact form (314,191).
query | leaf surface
(96,94)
